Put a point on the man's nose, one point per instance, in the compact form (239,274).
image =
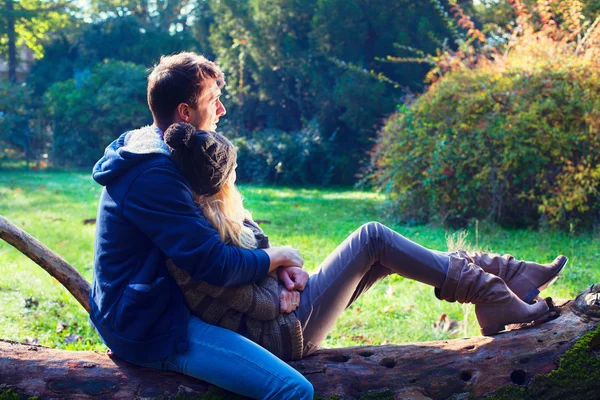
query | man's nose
(221,110)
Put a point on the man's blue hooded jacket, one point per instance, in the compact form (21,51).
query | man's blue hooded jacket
(146,215)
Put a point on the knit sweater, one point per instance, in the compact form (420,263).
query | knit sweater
(251,310)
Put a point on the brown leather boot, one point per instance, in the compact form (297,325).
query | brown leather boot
(495,304)
(526,279)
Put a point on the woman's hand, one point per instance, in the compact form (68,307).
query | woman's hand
(293,278)
(289,300)
(284,256)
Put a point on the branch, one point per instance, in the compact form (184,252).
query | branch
(58,268)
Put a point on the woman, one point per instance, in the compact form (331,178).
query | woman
(502,288)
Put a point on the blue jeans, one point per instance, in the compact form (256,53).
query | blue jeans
(232,362)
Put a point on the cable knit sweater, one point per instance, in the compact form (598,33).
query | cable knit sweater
(251,310)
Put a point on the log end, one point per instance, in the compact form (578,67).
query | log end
(587,303)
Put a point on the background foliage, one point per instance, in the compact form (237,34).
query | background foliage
(506,126)
(16,116)
(292,66)
(85,111)
(511,135)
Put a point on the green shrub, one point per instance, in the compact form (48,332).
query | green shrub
(289,158)
(21,136)
(94,108)
(513,137)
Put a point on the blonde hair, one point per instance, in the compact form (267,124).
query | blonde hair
(225,210)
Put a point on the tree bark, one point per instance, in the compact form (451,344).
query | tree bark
(427,370)
(58,268)
(12,41)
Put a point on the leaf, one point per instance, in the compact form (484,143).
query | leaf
(390,291)
(72,339)
(61,326)
(31,303)
(361,338)
(445,324)
(32,341)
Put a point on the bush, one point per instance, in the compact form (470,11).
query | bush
(274,156)
(91,110)
(21,134)
(513,137)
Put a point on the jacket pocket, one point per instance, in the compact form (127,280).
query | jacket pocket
(143,310)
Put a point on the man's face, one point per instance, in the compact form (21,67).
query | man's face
(206,115)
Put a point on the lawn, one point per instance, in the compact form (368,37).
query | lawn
(53,206)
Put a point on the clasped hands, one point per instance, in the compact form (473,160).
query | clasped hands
(294,279)
(288,263)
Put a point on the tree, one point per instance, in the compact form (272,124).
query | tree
(289,62)
(20,131)
(93,108)
(165,15)
(27,22)
(483,142)
(126,38)
(496,15)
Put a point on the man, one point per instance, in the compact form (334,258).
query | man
(147,215)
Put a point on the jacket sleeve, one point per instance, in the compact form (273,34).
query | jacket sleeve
(160,204)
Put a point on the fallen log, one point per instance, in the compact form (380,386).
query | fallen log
(428,370)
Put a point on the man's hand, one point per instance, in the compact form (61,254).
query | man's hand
(289,300)
(293,278)
(285,256)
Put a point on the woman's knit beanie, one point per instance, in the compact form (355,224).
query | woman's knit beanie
(205,158)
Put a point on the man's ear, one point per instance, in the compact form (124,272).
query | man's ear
(183,112)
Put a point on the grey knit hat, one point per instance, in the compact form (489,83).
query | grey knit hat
(205,158)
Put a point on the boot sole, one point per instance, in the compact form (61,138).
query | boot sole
(549,315)
(535,292)
(492,330)
(496,329)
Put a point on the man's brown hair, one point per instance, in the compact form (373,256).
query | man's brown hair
(176,79)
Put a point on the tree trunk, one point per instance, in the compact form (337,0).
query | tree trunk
(428,370)
(12,42)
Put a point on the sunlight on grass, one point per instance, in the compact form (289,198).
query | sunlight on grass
(53,206)
(353,196)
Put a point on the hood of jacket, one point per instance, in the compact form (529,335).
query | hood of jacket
(127,151)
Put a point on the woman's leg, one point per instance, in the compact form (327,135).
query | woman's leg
(232,362)
(371,253)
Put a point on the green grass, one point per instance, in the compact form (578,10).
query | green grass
(53,205)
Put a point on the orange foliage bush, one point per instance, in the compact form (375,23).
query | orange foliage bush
(510,133)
